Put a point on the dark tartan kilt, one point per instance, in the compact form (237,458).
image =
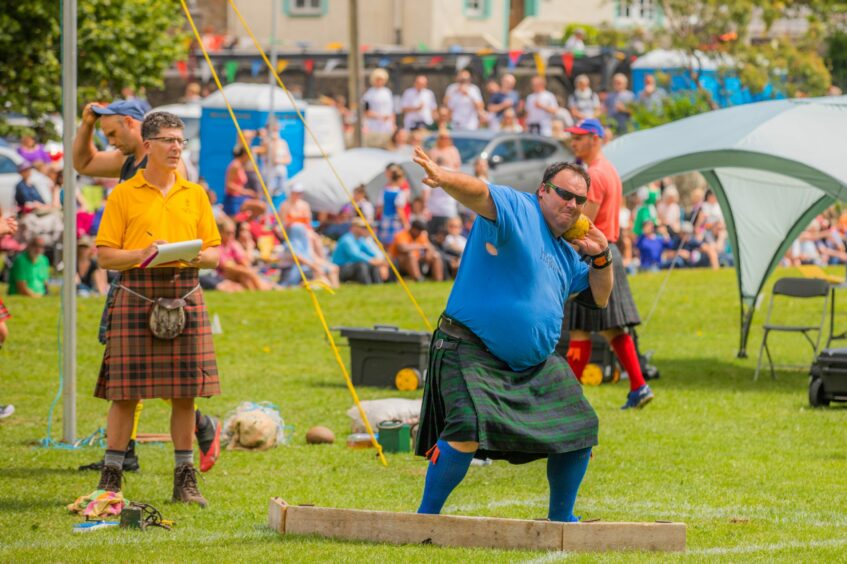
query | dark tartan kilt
(471,395)
(137,365)
(620,312)
(4,313)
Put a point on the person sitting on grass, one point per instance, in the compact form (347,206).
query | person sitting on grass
(235,263)
(651,246)
(8,226)
(27,196)
(694,251)
(90,278)
(30,271)
(314,266)
(414,254)
(357,256)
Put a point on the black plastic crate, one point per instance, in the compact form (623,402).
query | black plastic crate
(378,355)
(828,380)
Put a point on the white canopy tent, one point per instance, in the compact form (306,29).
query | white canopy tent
(773,165)
(354,166)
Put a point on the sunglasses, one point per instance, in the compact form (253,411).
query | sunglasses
(566,195)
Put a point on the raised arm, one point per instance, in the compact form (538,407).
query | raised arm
(87,159)
(468,190)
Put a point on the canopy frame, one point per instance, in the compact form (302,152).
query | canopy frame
(706,162)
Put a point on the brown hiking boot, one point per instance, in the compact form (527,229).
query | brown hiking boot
(185,485)
(110,478)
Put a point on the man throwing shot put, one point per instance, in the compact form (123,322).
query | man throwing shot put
(496,386)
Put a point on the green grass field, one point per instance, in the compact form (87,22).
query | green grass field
(749,466)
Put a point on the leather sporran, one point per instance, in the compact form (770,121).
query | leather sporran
(167,318)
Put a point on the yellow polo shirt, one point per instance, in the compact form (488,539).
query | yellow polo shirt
(137,214)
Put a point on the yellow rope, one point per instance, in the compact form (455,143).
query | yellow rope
(306,282)
(314,137)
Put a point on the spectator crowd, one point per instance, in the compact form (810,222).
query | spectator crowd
(423,230)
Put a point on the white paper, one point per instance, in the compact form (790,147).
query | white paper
(170,252)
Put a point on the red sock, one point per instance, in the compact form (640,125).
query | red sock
(579,354)
(625,351)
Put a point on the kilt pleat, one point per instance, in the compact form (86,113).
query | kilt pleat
(137,365)
(620,312)
(471,395)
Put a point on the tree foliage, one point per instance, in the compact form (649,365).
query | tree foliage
(722,27)
(837,57)
(681,105)
(125,43)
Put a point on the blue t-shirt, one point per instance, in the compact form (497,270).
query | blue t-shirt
(650,250)
(25,193)
(500,97)
(350,249)
(514,280)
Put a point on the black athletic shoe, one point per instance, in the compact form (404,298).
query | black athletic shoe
(130,461)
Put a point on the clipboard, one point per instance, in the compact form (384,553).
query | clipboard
(184,251)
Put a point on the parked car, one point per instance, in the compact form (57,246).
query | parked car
(514,159)
(9,177)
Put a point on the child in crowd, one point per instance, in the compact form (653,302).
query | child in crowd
(651,246)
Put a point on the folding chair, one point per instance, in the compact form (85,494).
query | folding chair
(794,288)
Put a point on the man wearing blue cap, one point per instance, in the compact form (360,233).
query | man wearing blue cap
(121,122)
(603,208)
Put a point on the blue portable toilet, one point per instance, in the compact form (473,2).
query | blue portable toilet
(726,91)
(251,104)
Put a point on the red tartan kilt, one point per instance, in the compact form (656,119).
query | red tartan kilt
(137,365)
(4,313)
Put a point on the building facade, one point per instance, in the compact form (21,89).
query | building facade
(434,24)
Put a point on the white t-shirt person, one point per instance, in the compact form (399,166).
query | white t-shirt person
(463,101)
(412,98)
(440,203)
(539,120)
(381,102)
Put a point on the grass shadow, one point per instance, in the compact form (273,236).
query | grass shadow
(33,472)
(26,505)
(710,374)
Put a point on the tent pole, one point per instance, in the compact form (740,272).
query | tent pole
(69,234)
(746,322)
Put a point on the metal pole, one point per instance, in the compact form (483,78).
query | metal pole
(398,22)
(271,77)
(354,58)
(69,233)
(507,16)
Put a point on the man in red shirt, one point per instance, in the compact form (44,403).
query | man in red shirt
(603,208)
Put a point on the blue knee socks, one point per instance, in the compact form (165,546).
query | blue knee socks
(564,473)
(447,467)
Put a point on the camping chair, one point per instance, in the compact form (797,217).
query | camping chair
(835,283)
(794,288)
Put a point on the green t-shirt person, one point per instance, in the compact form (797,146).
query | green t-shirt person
(35,272)
(646,212)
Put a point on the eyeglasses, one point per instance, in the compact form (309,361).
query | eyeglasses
(170,140)
(565,195)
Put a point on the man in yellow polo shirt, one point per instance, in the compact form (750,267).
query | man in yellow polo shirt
(157,206)
(121,121)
